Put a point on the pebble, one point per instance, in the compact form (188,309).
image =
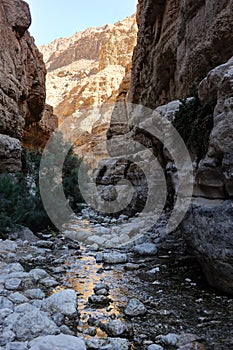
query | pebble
(13,283)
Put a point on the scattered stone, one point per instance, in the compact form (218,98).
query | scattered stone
(90,331)
(155,347)
(99,258)
(28,322)
(19,345)
(78,236)
(64,302)
(116,328)
(49,282)
(3,314)
(18,298)
(58,342)
(101,286)
(65,330)
(169,339)
(131,267)
(145,249)
(14,267)
(25,234)
(38,274)
(44,244)
(34,294)
(13,283)
(102,292)
(99,300)
(6,303)
(115,258)
(8,246)
(135,308)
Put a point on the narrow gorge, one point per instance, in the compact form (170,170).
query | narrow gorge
(116,181)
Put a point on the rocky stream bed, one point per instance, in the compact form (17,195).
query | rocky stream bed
(56,293)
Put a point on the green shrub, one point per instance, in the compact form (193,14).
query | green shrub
(194,123)
(20,199)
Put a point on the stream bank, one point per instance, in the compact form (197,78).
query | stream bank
(109,298)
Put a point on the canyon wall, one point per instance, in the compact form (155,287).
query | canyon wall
(186,46)
(85,72)
(179,42)
(22,88)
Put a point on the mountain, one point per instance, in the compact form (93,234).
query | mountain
(88,70)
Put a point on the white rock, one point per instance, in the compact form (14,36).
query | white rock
(64,302)
(13,283)
(58,342)
(17,298)
(154,347)
(35,294)
(28,322)
(115,258)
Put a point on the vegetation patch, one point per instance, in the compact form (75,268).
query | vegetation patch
(194,123)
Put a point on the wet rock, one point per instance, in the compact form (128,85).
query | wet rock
(34,293)
(115,258)
(28,322)
(145,249)
(64,302)
(99,300)
(101,286)
(102,292)
(135,308)
(58,342)
(155,347)
(17,298)
(116,328)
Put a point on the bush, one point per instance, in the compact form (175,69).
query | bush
(194,123)
(20,200)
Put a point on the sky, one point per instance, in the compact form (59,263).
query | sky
(53,19)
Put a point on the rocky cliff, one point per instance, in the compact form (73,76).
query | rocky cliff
(184,47)
(179,42)
(22,88)
(88,70)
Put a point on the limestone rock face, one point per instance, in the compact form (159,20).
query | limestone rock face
(208,225)
(179,42)
(22,75)
(87,71)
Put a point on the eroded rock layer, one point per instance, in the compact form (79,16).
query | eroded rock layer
(88,70)
(22,76)
(179,42)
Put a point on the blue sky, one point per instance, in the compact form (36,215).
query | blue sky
(52,19)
